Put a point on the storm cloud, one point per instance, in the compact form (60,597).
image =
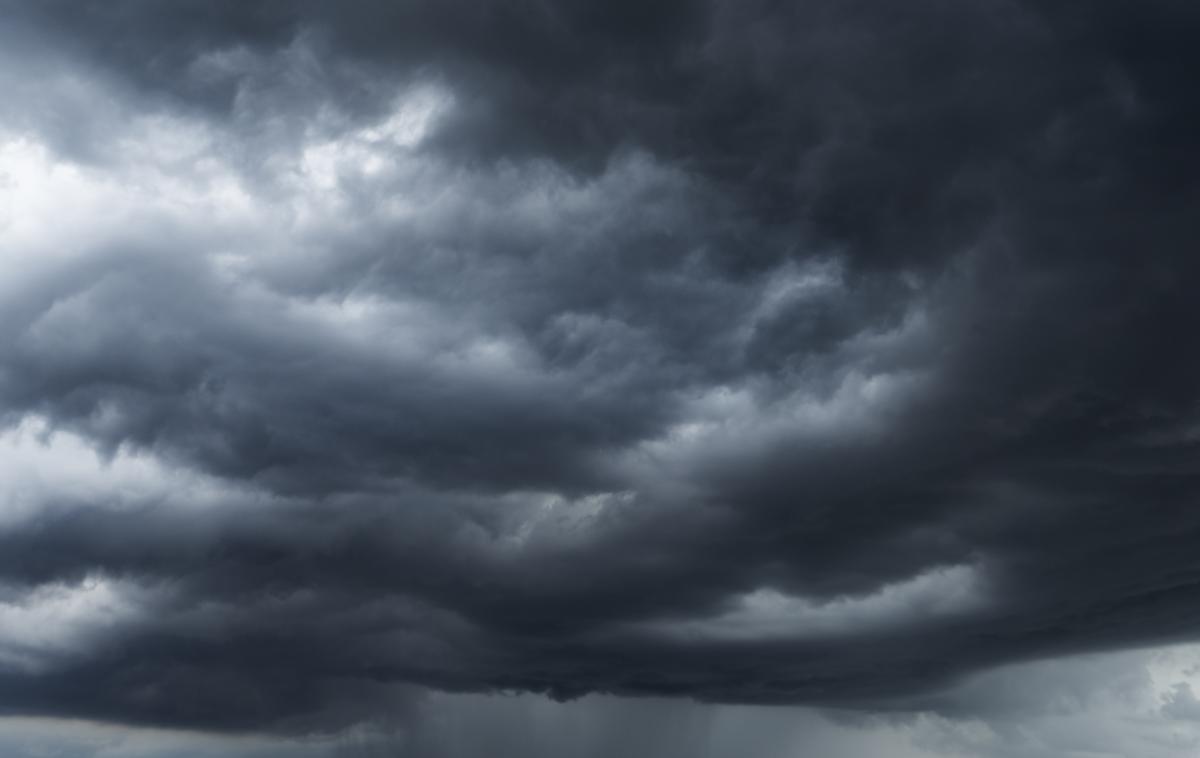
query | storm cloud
(823,353)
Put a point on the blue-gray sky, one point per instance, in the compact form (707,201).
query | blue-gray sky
(376,373)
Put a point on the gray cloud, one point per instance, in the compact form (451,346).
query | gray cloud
(820,355)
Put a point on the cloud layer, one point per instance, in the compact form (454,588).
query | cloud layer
(819,354)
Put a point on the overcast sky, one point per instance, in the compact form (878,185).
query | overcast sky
(593,378)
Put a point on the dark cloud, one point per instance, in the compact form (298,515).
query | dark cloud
(758,352)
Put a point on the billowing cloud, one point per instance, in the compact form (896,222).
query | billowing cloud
(825,354)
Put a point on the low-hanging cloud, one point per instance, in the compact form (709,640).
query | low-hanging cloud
(816,354)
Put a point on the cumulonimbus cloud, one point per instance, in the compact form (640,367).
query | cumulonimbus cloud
(814,354)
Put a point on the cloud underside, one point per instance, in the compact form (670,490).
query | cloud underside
(817,355)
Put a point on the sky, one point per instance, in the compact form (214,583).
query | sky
(580,378)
